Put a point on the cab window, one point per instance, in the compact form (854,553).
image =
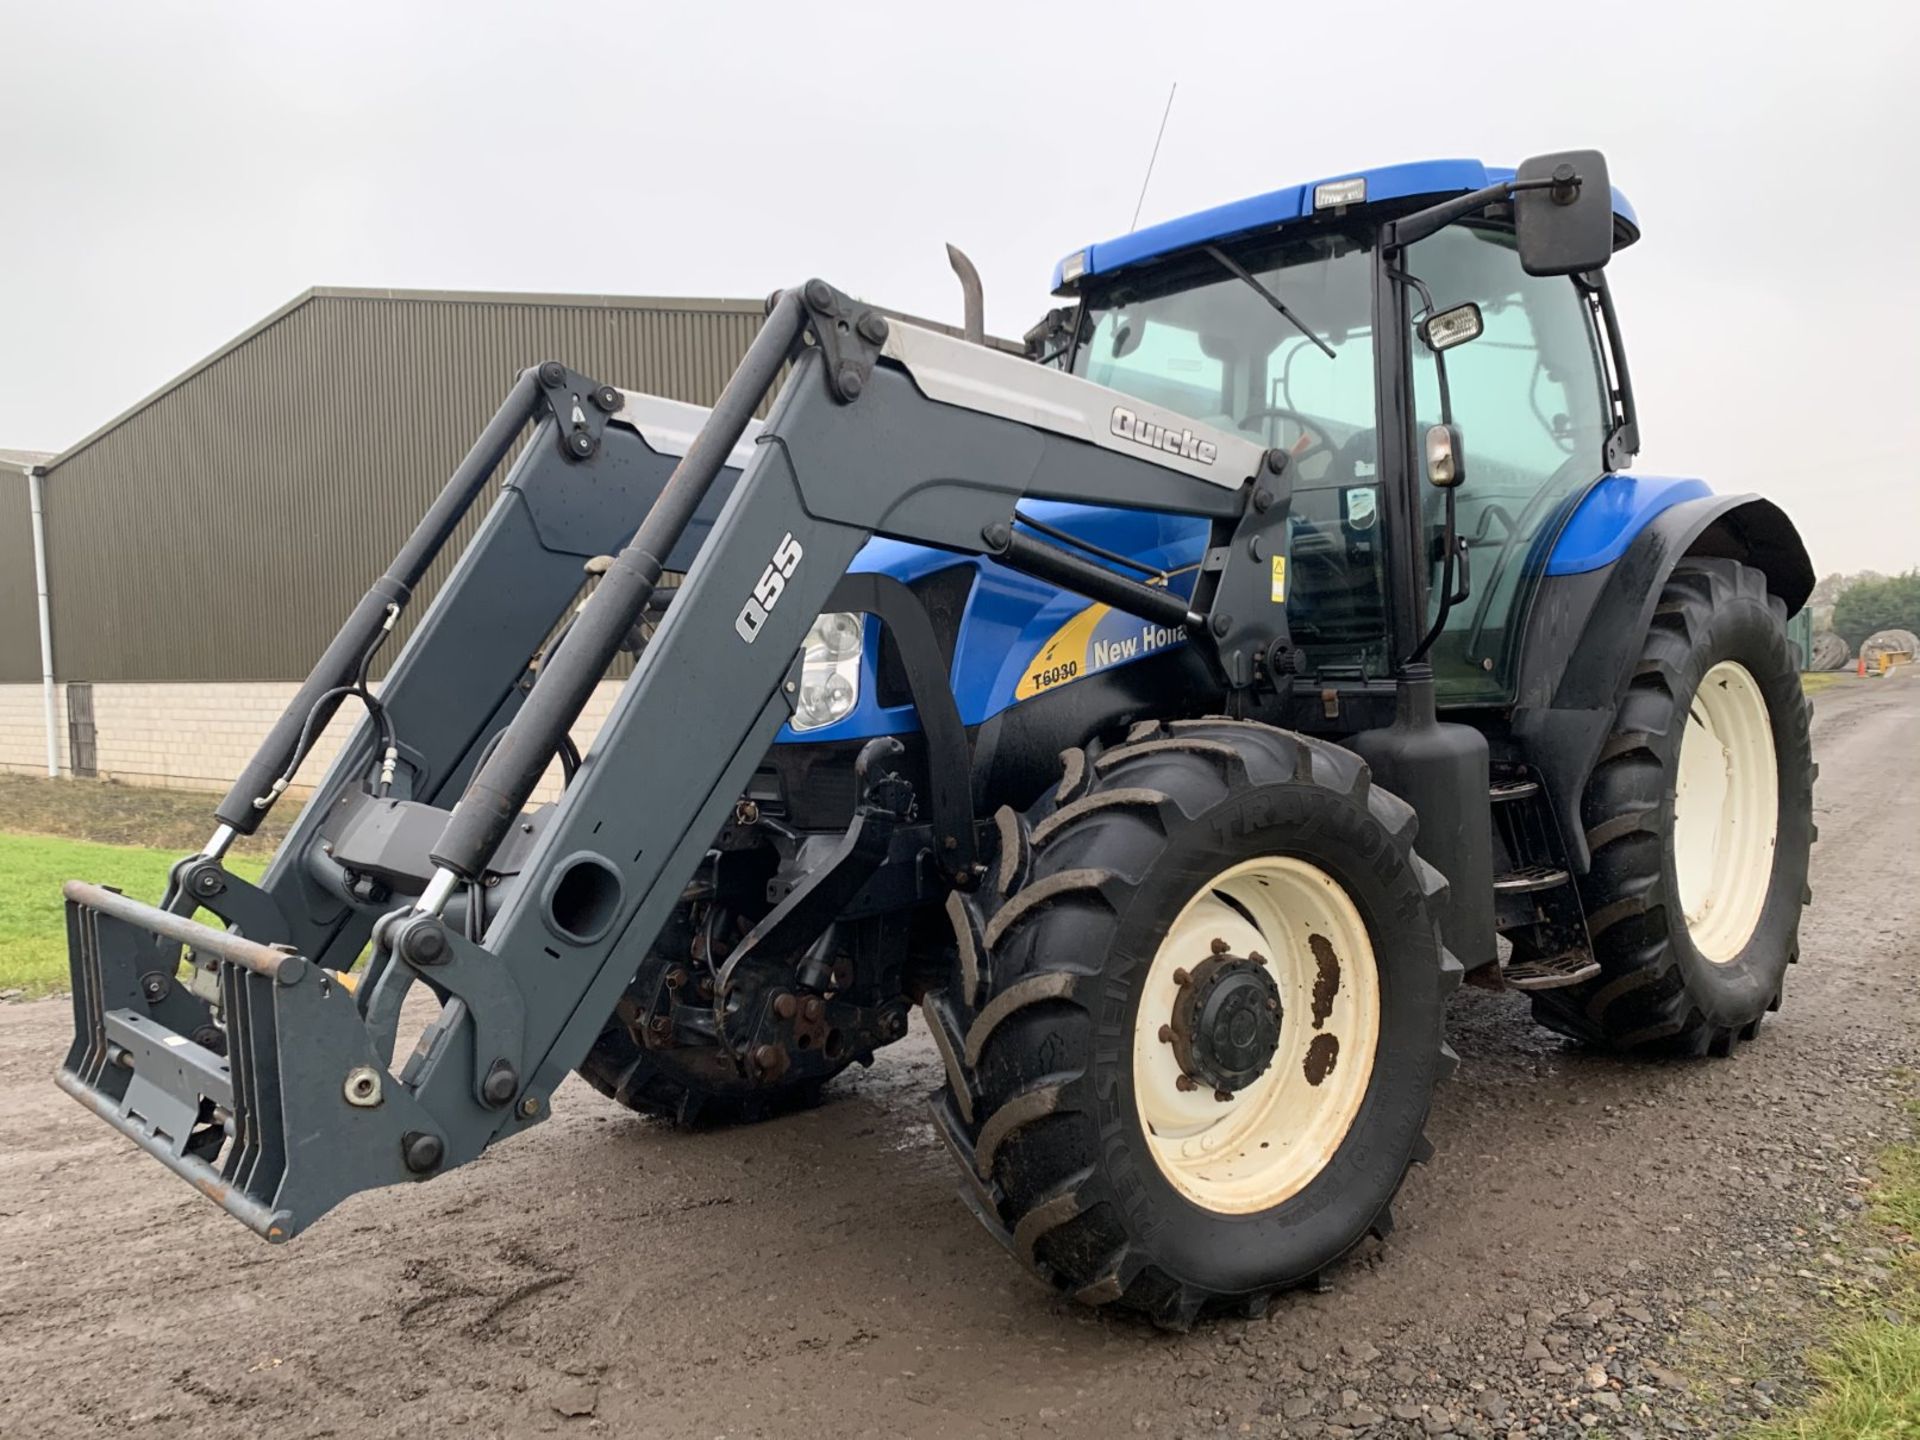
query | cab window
(1529,397)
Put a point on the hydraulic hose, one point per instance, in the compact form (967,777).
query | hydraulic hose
(317,699)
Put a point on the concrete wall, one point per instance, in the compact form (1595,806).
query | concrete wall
(197,737)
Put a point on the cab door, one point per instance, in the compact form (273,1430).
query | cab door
(1530,399)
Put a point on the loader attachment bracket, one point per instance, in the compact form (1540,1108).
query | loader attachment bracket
(1244,584)
(198,882)
(580,406)
(849,335)
(452,966)
(296,1115)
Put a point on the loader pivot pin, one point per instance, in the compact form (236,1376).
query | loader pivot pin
(421,1152)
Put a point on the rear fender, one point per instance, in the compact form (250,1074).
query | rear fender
(1586,632)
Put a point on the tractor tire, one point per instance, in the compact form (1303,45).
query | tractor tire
(696,1089)
(1059,1036)
(1699,818)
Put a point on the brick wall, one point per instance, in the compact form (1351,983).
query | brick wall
(198,736)
(23,734)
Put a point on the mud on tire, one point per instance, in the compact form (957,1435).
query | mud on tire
(1037,1030)
(1656,991)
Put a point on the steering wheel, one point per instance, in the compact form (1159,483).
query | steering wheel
(1304,447)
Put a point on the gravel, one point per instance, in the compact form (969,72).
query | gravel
(1642,1249)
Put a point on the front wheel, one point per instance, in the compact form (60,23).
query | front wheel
(1198,1019)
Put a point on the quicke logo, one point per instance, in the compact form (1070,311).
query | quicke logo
(1184,443)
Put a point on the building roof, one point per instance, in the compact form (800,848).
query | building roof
(1295,202)
(23,459)
(698,304)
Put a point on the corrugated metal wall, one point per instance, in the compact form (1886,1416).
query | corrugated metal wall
(19,623)
(221,531)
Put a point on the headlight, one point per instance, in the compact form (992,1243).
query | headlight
(830,670)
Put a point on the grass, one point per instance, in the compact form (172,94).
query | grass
(1868,1372)
(115,814)
(33,934)
(126,836)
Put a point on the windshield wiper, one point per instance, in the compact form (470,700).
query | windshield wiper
(1267,295)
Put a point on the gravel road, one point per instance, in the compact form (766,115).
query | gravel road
(1634,1247)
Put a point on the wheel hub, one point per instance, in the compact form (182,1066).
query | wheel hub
(1226,1021)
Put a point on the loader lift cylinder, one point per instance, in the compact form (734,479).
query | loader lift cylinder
(501,789)
(337,667)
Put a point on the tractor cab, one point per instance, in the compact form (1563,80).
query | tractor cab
(1313,319)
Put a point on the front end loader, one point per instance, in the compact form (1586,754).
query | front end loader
(1170,718)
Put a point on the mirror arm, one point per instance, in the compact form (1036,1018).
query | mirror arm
(1416,227)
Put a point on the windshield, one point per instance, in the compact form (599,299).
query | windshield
(1200,340)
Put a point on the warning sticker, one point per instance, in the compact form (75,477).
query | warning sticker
(1279,579)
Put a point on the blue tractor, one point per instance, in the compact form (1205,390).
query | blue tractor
(1173,716)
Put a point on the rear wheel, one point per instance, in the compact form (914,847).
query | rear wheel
(1699,820)
(1198,1019)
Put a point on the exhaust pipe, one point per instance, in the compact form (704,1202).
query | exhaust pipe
(974,323)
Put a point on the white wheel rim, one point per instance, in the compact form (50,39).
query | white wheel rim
(1271,1138)
(1726,812)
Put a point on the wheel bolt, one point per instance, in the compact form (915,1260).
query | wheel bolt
(1166,1034)
(1223,1096)
(1180,977)
(1184,1082)
(1218,946)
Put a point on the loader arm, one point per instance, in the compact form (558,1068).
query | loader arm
(526,926)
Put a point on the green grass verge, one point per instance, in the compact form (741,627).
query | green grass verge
(1812,682)
(33,932)
(1869,1371)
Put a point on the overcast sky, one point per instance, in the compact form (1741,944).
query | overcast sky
(169,173)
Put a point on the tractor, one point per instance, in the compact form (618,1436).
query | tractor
(1171,716)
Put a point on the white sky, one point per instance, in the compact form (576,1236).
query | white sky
(170,173)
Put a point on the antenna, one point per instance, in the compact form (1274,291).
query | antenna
(1151,158)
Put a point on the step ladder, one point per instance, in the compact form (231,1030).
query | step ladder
(1536,901)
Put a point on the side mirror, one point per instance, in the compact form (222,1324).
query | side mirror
(1565,226)
(1446,457)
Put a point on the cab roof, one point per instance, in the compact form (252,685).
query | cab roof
(1419,178)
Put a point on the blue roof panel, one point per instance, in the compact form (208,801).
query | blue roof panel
(1295,202)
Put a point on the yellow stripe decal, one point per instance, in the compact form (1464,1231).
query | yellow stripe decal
(1063,657)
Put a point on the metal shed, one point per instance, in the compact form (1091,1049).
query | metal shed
(219,529)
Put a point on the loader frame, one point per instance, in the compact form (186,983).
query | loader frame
(282,1096)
